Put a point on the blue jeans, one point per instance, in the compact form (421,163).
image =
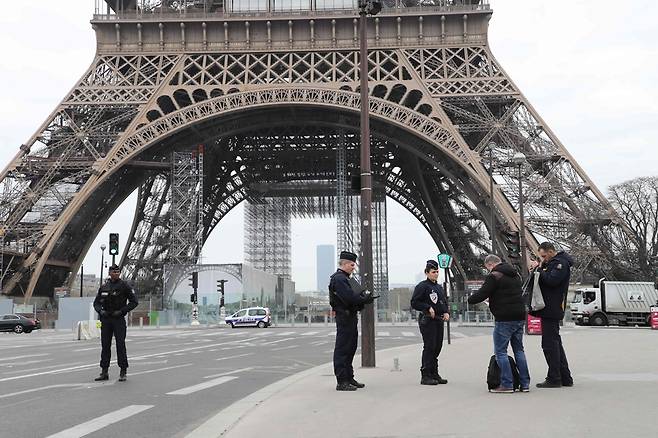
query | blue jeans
(506,332)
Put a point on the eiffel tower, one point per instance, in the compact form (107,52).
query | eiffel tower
(272,92)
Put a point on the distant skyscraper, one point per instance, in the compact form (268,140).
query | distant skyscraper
(325,265)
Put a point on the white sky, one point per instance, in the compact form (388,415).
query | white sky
(589,68)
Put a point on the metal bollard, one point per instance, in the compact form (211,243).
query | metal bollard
(326,321)
(396,364)
(158,322)
(141,323)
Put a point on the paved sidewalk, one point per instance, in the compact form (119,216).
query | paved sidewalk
(615,394)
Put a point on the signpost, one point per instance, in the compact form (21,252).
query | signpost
(445,262)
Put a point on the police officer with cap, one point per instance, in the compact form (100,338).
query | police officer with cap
(114,300)
(431,302)
(346,297)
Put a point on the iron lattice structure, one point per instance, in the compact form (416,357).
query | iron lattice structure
(268,240)
(171,75)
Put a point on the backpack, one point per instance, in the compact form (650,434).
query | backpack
(493,373)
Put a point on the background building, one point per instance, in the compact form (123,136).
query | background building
(325,265)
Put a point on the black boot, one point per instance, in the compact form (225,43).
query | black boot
(345,386)
(103,376)
(122,375)
(356,384)
(439,379)
(426,378)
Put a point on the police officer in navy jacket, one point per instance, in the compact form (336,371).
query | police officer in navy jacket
(430,300)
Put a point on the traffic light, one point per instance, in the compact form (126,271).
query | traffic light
(114,244)
(191,298)
(194,280)
(512,245)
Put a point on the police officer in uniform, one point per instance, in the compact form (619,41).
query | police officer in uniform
(431,302)
(346,298)
(114,300)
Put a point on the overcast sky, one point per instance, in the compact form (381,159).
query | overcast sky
(589,68)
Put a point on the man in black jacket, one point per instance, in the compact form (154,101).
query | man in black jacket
(502,288)
(431,302)
(554,275)
(114,300)
(346,302)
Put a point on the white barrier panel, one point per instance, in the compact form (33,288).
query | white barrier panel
(88,330)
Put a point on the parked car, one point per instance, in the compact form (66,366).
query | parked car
(253,316)
(18,323)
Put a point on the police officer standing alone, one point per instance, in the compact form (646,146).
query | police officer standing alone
(429,299)
(114,300)
(554,274)
(346,298)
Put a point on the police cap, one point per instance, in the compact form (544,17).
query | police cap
(346,255)
(431,264)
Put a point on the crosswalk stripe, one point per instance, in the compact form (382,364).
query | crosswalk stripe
(103,421)
(383,333)
(285,333)
(309,333)
(201,386)
(458,335)
(408,334)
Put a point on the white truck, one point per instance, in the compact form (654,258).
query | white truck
(614,303)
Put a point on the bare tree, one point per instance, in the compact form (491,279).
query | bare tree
(637,203)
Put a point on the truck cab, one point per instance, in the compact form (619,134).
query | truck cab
(586,302)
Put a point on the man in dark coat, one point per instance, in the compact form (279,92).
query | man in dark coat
(502,288)
(430,300)
(346,299)
(554,275)
(114,300)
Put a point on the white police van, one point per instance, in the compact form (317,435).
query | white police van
(250,317)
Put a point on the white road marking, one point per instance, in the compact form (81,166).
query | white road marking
(458,335)
(310,333)
(81,367)
(383,333)
(233,357)
(161,369)
(24,356)
(62,385)
(285,333)
(21,363)
(87,349)
(316,343)
(98,423)
(227,373)
(284,348)
(202,386)
(408,334)
(277,341)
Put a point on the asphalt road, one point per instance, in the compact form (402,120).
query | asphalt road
(177,379)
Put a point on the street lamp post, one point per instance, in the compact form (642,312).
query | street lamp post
(366,7)
(492,205)
(519,160)
(102,261)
